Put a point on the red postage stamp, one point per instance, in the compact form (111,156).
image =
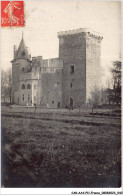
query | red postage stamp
(12,13)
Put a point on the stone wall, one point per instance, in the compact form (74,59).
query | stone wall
(51,89)
(46,86)
(53,62)
(72,50)
(93,64)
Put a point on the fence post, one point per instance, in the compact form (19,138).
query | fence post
(92,114)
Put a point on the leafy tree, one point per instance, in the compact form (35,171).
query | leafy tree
(116,75)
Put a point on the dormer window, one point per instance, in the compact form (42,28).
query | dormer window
(23,53)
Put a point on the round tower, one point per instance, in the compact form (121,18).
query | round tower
(20,65)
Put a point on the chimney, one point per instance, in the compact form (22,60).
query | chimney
(39,58)
(28,52)
(15,51)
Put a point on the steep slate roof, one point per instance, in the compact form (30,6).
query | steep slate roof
(22,51)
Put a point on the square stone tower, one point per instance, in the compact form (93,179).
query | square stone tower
(80,51)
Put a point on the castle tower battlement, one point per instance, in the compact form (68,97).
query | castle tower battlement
(88,32)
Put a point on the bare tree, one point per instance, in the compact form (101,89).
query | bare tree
(95,98)
(107,92)
(6,84)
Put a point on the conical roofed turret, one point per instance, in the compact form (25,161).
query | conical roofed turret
(22,51)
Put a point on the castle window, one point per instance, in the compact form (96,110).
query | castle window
(34,98)
(71,69)
(52,102)
(23,97)
(23,86)
(28,97)
(34,86)
(22,69)
(28,86)
(23,53)
(71,85)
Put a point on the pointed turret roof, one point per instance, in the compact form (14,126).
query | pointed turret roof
(22,51)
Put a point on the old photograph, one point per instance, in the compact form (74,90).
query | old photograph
(61,94)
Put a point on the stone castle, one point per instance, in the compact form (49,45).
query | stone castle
(58,82)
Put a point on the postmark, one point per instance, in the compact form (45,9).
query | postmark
(12,14)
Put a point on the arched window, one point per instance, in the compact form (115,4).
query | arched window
(28,86)
(23,86)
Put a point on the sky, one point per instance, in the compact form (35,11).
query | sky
(43,19)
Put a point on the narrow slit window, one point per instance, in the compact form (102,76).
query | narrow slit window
(71,69)
(28,97)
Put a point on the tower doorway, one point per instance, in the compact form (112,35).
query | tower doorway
(71,102)
(58,105)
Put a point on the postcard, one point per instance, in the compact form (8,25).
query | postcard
(61,96)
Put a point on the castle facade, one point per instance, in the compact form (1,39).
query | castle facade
(58,82)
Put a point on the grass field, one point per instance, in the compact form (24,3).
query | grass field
(56,150)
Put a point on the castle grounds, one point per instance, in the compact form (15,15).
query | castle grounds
(61,147)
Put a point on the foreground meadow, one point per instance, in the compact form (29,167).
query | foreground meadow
(44,152)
